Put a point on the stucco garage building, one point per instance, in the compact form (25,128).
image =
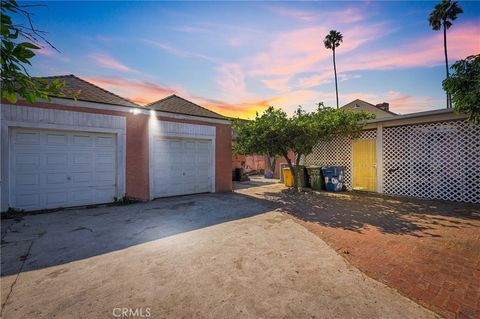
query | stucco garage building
(70,153)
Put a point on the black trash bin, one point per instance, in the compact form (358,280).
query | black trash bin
(315,178)
(302,176)
(238,174)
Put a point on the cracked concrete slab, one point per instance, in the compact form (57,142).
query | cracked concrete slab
(227,255)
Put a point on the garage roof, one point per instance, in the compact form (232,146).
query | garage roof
(89,92)
(179,105)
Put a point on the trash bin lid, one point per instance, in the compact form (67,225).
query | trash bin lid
(332,170)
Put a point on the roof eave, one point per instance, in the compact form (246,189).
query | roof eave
(412,115)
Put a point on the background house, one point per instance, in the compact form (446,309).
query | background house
(379,110)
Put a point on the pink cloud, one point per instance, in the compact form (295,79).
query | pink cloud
(279,84)
(189,29)
(347,15)
(51,53)
(402,104)
(316,80)
(108,62)
(181,53)
(421,53)
(46,51)
(230,80)
(139,91)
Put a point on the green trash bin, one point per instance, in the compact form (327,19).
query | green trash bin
(302,176)
(315,176)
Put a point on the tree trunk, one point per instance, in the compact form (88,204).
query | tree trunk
(449,102)
(297,162)
(297,159)
(272,161)
(335,71)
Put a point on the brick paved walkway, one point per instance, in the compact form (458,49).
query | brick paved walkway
(428,250)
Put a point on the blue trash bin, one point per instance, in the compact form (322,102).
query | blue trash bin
(334,177)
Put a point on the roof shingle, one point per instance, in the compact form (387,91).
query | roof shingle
(90,92)
(179,105)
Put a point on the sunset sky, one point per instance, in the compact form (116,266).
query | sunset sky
(238,57)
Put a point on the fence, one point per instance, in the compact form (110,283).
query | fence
(434,160)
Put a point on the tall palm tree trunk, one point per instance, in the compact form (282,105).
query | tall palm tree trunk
(449,102)
(335,71)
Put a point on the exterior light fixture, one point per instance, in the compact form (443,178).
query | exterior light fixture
(135,111)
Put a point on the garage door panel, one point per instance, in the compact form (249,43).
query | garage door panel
(204,160)
(27,201)
(203,188)
(56,139)
(82,195)
(27,138)
(79,178)
(82,140)
(161,146)
(203,147)
(32,180)
(56,179)
(103,195)
(82,159)
(204,176)
(105,141)
(61,169)
(57,159)
(105,159)
(104,178)
(27,159)
(56,199)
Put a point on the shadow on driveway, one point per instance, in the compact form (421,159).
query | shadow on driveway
(394,215)
(46,240)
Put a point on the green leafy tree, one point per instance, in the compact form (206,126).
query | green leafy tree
(332,41)
(274,134)
(441,17)
(18,46)
(464,87)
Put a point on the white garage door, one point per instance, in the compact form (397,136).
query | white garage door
(181,167)
(51,169)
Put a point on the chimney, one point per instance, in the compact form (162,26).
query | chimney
(383,106)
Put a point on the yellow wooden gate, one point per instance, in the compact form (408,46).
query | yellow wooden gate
(364,175)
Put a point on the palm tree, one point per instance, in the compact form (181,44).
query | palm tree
(332,41)
(443,15)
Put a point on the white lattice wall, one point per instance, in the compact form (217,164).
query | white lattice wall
(433,160)
(337,151)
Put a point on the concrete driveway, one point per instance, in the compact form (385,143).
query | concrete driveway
(212,255)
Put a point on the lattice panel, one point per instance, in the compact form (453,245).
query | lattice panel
(433,160)
(337,151)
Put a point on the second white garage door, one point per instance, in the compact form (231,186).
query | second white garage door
(181,166)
